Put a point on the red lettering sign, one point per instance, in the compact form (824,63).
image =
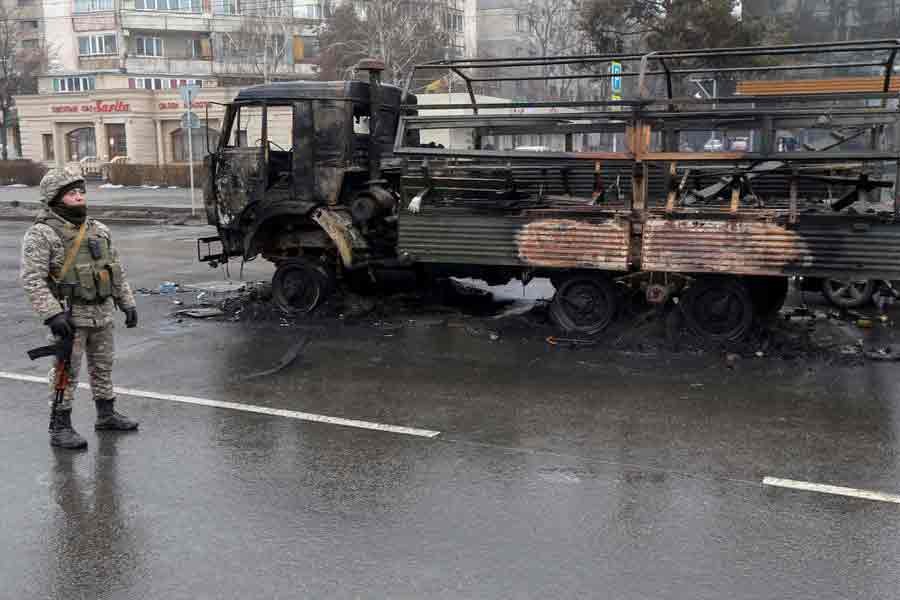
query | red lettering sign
(116,106)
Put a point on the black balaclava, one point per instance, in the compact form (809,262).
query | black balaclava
(72,214)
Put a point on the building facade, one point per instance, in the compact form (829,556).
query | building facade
(155,42)
(112,88)
(140,125)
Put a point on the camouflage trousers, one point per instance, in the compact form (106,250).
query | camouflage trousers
(95,343)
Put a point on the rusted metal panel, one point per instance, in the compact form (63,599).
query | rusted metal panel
(451,236)
(822,247)
(814,86)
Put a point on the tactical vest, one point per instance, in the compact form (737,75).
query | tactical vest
(94,273)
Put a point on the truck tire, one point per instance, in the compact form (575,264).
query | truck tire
(844,293)
(718,309)
(300,285)
(584,304)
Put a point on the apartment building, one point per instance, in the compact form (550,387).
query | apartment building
(112,89)
(154,44)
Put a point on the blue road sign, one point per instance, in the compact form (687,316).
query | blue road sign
(615,68)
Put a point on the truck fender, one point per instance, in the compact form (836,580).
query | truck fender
(297,209)
(341,231)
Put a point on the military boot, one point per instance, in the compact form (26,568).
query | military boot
(62,434)
(109,419)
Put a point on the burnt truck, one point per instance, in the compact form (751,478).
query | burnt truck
(606,198)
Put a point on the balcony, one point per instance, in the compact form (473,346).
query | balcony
(94,21)
(152,65)
(98,63)
(165,20)
(246,68)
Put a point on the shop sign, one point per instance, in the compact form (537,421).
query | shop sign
(175,105)
(97,107)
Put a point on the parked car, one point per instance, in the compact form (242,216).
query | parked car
(713,145)
(740,144)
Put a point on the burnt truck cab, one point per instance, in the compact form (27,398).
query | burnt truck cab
(303,176)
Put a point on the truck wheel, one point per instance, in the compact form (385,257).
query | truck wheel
(767,294)
(844,293)
(584,304)
(299,285)
(718,308)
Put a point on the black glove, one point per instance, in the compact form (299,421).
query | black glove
(60,325)
(131,317)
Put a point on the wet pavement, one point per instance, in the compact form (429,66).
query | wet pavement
(624,470)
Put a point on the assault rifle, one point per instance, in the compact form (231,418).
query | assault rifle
(62,350)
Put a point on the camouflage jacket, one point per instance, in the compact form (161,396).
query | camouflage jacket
(43,254)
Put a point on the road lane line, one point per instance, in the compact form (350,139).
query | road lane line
(831,489)
(263,410)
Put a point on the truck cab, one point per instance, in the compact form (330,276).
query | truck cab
(303,175)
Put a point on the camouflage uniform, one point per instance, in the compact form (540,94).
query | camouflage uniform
(43,255)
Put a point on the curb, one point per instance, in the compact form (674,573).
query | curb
(111,220)
(145,215)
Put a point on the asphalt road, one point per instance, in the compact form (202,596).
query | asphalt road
(554,473)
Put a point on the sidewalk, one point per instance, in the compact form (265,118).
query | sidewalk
(112,203)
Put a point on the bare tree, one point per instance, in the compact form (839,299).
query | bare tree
(552,27)
(19,67)
(263,44)
(617,25)
(400,32)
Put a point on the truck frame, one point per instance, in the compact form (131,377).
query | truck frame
(717,232)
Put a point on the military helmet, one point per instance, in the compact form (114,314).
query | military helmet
(56,181)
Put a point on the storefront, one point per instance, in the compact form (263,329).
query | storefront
(142,126)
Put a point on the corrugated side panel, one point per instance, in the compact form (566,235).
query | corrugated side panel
(840,248)
(455,237)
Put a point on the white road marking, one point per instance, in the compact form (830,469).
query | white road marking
(277,412)
(831,489)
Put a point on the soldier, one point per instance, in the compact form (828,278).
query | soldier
(65,249)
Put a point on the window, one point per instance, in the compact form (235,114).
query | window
(97,45)
(47,144)
(170,5)
(29,44)
(453,21)
(522,23)
(310,11)
(198,143)
(148,83)
(305,47)
(225,7)
(177,83)
(84,6)
(199,48)
(26,2)
(115,134)
(30,24)
(73,84)
(80,143)
(148,46)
